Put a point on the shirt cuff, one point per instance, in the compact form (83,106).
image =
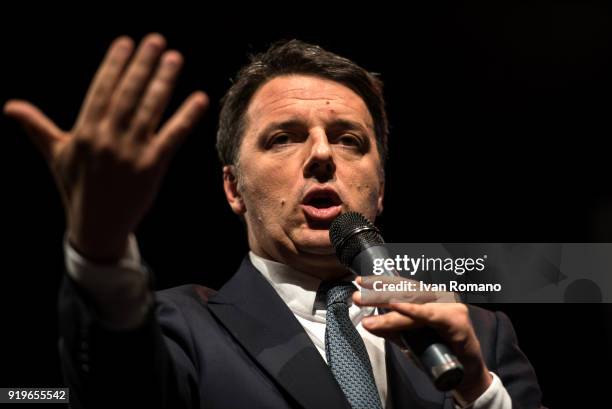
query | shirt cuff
(121,290)
(495,397)
(94,276)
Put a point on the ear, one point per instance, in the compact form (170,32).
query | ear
(381,196)
(230,186)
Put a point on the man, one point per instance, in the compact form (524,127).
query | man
(302,138)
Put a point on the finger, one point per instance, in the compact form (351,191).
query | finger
(377,290)
(367,298)
(424,312)
(389,322)
(43,132)
(181,123)
(157,95)
(440,316)
(105,80)
(133,83)
(393,336)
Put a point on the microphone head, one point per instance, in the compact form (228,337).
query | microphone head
(350,234)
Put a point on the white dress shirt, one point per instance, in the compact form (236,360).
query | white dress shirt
(296,289)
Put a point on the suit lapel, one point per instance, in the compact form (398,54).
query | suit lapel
(408,386)
(249,308)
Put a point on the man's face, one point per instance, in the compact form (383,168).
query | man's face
(309,153)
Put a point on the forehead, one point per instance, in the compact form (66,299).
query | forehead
(292,95)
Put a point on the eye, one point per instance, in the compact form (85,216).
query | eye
(349,140)
(280,139)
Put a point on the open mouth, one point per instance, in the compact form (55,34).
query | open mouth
(321,207)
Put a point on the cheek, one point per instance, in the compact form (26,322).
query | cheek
(268,192)
(364,190)
(369,192)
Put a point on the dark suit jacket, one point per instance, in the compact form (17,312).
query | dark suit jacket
(241,347)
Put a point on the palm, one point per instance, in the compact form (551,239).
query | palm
(109,166)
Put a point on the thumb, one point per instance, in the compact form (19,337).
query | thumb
(41,129)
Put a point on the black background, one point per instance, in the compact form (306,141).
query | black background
(500,133)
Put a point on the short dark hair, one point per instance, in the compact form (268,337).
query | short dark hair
(295,57)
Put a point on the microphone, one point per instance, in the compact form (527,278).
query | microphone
(358,242)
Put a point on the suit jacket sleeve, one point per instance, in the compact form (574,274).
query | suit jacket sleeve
(513,367)
(134,368)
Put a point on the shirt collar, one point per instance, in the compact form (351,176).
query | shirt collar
(299,290)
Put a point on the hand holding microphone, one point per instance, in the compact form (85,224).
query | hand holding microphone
(439,335)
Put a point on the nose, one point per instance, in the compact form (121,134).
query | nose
(320,164)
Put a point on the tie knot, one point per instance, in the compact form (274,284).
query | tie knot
(338,292)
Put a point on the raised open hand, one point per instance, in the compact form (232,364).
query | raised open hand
(108,168)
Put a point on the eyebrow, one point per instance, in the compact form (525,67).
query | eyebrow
(349,124)
(297,123)
(290,123)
